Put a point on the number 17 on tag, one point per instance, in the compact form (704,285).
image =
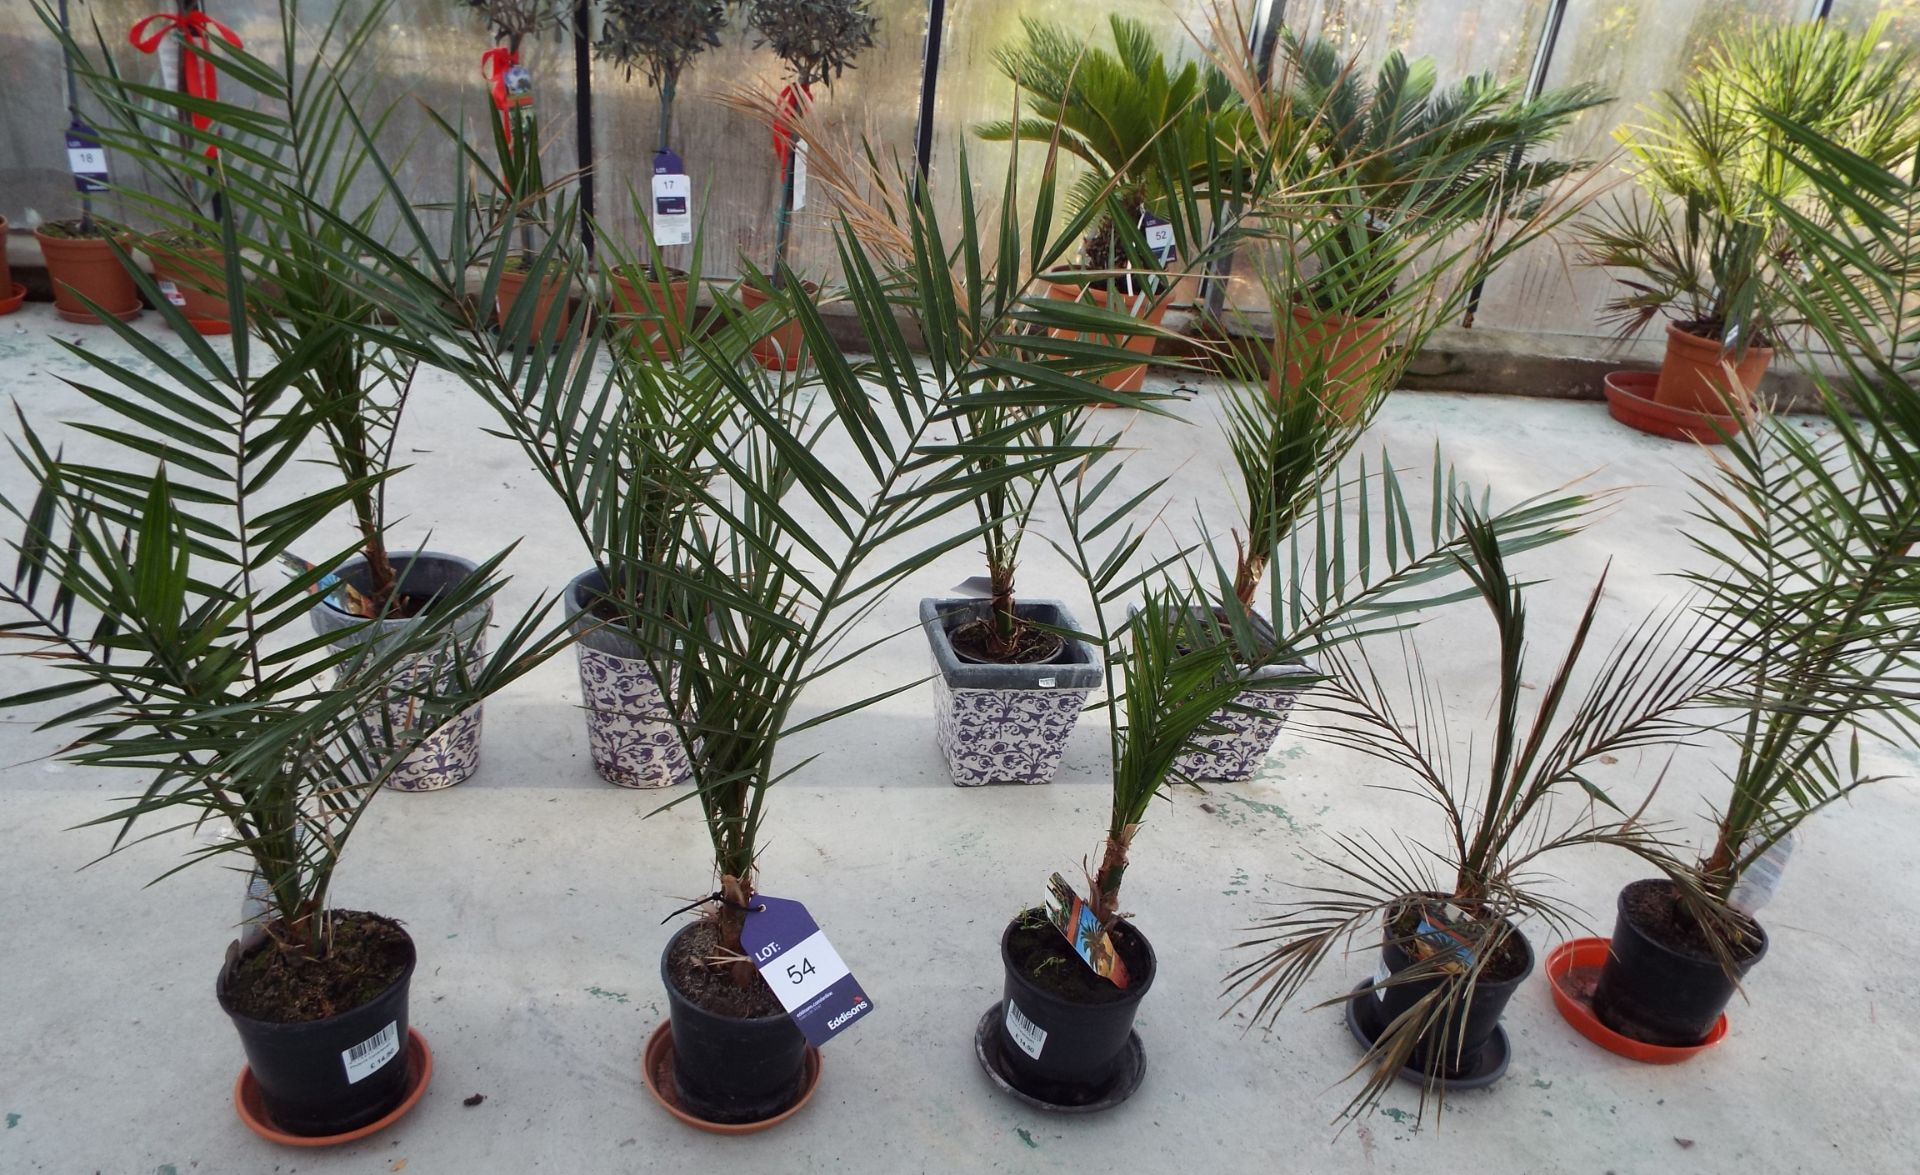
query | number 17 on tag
(804,971)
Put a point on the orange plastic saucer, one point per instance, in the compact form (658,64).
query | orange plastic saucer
(1572,968)
(10,301)
(656,1068)
(252,1108)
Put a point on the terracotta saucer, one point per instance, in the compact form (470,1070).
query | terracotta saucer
(15,296)
(252,1109)
(1572,969)
(86,319)
(1630,400)
(656,1068)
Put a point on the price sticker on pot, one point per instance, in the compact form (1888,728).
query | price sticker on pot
(86,158)
(1159,234)
(807,975)
(672,219)
(371,1055)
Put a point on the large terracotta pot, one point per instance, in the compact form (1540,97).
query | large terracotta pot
(87,265)
(658,310)
(1345,351)
(1694,375)
(514,281)
(194,278)
(1127,379)
(6,271)
(783,349)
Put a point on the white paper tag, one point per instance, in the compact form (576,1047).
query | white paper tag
(1046,682)
(87,161)
(172,293)
(365,1059)
(1160,240)
(1761,880)
(799,174)
(1029,1036)
(169,55)
(1381,974)
(672,214)
(804,971)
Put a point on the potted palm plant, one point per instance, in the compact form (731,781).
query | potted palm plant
(1154,134)
(1807,552)
(1710,242)
(1452,952)
(661,37)
(1386,171)
(153,592)
(817,40)
(289,271)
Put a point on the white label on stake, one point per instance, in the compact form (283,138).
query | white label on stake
(799,174)
(365,1059)
(169,55)
(1029,1036)
(672,219)
(87,160)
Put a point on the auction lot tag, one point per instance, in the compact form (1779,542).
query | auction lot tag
(86,159)
(803,969)
(672,221)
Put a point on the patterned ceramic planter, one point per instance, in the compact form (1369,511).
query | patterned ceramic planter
(1005,723)
(634,743)
(1234,755)
(452,755)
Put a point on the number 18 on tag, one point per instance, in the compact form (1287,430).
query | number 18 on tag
(803,969)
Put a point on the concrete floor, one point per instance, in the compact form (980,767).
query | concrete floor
(535,893)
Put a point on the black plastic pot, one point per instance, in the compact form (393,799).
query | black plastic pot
(730,1070)
(1084,1045)
(326,1077)
(1660,994)
(1464,1041)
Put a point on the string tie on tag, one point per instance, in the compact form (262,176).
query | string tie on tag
(203,81)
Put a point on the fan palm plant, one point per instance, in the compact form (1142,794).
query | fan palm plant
(1710,242)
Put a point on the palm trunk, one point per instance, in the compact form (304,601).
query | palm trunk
(736,895)
(1246,577)
(1105,898)
(1003,629)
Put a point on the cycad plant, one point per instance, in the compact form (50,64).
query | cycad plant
(1710,241)
(1449,904)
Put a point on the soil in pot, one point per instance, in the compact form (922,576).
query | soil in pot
(1662,983)
(658,312)
(80,261)
(972,641)
(783,348)
(1127,379)
(1693,375)
(1066,1035)
(326,1039)
(737,1056)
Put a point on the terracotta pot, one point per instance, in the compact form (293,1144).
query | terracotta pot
(6,271)
(659,311)
(193,278)
(1127,379)
(553,289)
(784,349)
(87,265)
(1693,375)
(1344,351)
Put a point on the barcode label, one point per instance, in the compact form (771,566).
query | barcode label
(365,1059)
(1029,1036)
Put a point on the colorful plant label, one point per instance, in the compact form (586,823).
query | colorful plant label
(806,974)
(1076,920)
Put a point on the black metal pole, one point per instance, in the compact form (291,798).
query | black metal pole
(929,87)
(1536,85)
(1822,9)
(583,116)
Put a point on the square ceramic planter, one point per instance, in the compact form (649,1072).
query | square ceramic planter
(1235,753)
(1005,723)
(629,729)
(452,754)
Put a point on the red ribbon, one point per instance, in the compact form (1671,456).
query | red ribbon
(494,64)
(793,100)
(201,78)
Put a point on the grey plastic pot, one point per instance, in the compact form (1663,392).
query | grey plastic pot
(633,743)
(1006,723)
(1234,753)
(452,755)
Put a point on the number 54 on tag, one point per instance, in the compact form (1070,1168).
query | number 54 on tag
(806,974)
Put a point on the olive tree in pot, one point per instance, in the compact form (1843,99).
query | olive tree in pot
(817,40)
(661,37)
(1710,242)
(155,595)
(1808,543)
(1452,953)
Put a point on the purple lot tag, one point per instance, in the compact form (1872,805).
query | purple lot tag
(803,969)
